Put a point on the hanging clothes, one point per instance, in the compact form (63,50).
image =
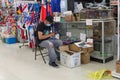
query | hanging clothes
(55,4)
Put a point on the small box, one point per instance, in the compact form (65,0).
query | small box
(69,58)
(68,18)
(118,66)
(10,40)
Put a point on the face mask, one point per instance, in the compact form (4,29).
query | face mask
(48,25)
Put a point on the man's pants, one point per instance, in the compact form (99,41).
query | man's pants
(52,45)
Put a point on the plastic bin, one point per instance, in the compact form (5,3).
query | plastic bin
(10,40)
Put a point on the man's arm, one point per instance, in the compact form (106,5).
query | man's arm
(41,36)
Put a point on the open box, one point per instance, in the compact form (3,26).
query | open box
(69,58)
(85,51)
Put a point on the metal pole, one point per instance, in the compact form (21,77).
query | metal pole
(103,54)
(118,28)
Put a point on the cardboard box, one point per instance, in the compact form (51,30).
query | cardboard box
(69,58)
(68,18)
(118,66)
(90,49)
(85,58)
(73,18)
(78,17)
(85,52)
(74,47)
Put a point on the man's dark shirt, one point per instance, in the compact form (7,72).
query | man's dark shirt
(44,29)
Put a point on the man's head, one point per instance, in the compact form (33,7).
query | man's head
(48,21)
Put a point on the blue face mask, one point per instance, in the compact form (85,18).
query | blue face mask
(48,25)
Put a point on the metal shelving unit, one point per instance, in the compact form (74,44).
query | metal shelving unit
(103,58)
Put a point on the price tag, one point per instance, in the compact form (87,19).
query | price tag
(69,34)
(57,19)
(89,22)
(90,41)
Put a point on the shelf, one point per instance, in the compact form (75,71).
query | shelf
(95,56)
(94,20)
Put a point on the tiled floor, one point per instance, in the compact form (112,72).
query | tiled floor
(19,64)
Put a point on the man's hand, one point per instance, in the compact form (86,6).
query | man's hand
(52,34)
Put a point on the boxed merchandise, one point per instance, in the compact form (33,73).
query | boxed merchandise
(118,66)
(69,58)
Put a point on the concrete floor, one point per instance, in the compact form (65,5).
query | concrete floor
(19,64)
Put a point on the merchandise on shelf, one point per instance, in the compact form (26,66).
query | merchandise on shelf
(96,14)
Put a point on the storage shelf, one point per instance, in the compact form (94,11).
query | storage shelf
(103,34)
(94,20)
(96,54)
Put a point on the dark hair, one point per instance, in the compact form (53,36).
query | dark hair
(49,19)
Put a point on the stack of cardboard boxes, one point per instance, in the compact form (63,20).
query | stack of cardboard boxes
(73,55)
(85,52)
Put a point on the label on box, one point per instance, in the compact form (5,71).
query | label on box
(69,34)
(89,22)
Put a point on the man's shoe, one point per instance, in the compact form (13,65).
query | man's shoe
(58,58)
(53,64)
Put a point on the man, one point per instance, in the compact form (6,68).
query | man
(45,40)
